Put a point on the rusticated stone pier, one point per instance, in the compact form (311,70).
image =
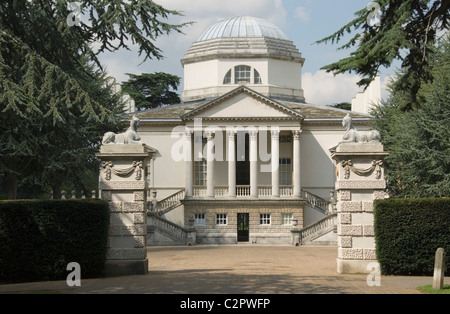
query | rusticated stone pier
(122,182)
(359,181)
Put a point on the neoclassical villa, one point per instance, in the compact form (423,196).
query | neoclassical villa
(244,157)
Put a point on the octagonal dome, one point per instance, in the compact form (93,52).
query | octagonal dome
(242,26)
(242,37)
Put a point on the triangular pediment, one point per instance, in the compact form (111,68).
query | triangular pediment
(243,103)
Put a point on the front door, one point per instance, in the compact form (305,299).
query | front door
(243,227)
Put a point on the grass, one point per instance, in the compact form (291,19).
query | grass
(429,289)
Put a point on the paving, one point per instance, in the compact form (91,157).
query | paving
(235,269)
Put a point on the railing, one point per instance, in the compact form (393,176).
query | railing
(175,231)
(199,191)
(170,202)
(320,227)
(264,190)
(243,191)
(286,190)
(315,201)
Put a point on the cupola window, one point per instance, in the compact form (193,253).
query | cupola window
(242,74)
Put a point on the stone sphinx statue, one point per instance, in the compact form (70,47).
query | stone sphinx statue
(354,136)
(130,136)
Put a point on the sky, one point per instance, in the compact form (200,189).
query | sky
(303,21)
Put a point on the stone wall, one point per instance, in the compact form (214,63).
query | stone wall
(275,233)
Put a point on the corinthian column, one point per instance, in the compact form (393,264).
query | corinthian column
(189,162)
(296,163)
(275,143)
(253,134)
(231,163)
(210,165)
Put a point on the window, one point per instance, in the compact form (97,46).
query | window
(200,172)
(285,171)
(264,219)
(285,138)
(241,74)
(200,220)
(256,77)
(286,219)
(221,219)
(227,78)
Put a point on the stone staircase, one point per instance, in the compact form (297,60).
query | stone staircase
(169,203)
(161,231)
(323,232)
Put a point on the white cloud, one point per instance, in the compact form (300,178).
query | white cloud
(204,13)
(302,14)
(324,88)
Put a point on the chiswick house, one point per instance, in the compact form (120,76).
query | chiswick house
(244,157)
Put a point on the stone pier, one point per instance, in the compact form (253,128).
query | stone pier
(122,182)
(359,181)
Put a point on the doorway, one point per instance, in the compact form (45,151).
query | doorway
(243,225)
(243,162)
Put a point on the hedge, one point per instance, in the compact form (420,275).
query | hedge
(408,232)
(38,238)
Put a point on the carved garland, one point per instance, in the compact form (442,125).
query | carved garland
(348,166)
(136,167)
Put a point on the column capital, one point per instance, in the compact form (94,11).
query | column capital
(253,134)
(275,134)
(231,134)
(188,134)
(296,134)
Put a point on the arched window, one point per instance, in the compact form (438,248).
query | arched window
(227,78)
(256,77)
(242,74)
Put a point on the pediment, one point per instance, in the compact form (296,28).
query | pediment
(243,103)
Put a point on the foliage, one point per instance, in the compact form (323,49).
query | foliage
(417,140)
(54,101)
(407,31)
(408,232)
(429,289)
(342,105)
(39,238)
(151,90)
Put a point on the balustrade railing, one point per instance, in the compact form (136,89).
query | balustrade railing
(243,191)
(168,227)
(169,202)
(321,226)
(315,201)
(264,190)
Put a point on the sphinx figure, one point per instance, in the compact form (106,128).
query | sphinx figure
(354,136)
(130,136)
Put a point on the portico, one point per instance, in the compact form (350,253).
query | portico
(242,156)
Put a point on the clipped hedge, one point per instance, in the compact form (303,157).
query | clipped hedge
(408,232)
(38,238)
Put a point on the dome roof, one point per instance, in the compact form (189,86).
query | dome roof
(242,26)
